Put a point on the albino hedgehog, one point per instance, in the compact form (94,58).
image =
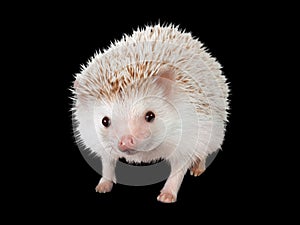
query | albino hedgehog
(156,94)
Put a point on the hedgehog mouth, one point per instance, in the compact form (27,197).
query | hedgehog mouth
(130,151)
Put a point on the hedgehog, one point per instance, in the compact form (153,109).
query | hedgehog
(156,94)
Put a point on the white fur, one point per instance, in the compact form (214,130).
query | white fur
(190,123)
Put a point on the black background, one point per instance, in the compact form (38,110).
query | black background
(57,180)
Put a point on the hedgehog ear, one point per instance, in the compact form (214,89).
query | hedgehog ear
(76,87)
(165,79)
(75,84)
(166,72)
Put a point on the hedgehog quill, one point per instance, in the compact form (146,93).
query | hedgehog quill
(154,95)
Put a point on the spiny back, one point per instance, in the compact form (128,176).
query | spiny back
(141,55)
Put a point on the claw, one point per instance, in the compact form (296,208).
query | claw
(198,168)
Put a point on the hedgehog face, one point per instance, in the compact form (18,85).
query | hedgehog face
(136,120)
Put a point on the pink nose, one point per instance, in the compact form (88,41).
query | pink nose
(126,142)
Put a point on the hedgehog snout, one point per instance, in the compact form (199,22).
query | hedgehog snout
(127,142)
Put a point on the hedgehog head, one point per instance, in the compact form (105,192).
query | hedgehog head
(130,113)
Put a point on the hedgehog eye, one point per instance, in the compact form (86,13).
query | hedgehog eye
(106,121)
(149,117)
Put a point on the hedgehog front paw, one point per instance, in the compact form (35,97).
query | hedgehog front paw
(166,197)
(104,186)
